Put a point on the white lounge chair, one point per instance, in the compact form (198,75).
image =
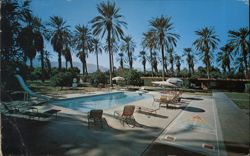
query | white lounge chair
(27,90)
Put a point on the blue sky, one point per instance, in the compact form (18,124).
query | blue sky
(187,16)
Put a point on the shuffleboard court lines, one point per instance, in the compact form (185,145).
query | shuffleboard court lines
(195,129)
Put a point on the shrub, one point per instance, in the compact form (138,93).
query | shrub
(36,74)
(62,79)
(133,77)
(247,88)
(98,77)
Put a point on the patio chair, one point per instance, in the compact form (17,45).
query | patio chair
(95,116)
(126,115)
(168,100)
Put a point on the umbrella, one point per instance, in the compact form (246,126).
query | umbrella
(118,78)
(176,81)
(165,83)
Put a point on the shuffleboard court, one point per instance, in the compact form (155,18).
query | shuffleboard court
(197,129)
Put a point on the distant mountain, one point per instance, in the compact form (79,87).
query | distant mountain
(91,67)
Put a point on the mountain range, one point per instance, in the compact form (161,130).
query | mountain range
(91,67)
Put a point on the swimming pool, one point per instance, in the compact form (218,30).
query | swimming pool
(101,101)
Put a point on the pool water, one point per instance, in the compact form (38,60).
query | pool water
(102,101)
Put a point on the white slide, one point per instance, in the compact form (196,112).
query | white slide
(26,88)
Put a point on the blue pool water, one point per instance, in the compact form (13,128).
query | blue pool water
(103,101)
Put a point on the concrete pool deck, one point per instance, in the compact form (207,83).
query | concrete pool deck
(69,134)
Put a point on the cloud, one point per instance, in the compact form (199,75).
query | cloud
(245,1)
(68,0)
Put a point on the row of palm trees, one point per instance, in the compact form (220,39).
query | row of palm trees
(109,25)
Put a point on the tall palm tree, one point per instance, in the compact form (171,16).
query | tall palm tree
(143,60)
(26,38)
(98,50)
(190,60)
(84,44)
(58,35)
(121,60)
(39,33)
(224,57)
(178,64)
(149,42)
(238,64)
(163,28)
(114,50)
(155,62)
(171,59)
(207,42)
(108,22)
(239,40)
(129,47)
(68,57)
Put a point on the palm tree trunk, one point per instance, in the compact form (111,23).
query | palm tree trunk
(42,64)
(86,67)
(97,63)
(144,68)
(113,66)
(83,71)
(59,60)
(151,61)
(162,55)
(110,52)
(31,63)
(71,63)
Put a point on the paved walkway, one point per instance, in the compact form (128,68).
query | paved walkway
(234,125)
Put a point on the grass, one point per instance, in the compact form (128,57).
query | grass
(240,99)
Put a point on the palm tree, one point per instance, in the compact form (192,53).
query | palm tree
(178,64)
(39,32)
(207,41)
(26,38)
(224,57)
(59,34)
(84,44)
(171,59)
(129,47)
(155,62)
(114,50)
(238,64)
(68,57)
(190,60)
(98,49)
(143,60)
(163,28)
(109,21)
(121,59)
(149,42)
(239,40)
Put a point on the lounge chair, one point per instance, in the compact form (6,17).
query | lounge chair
(29,92)
(168,100)
(46,114)
(16,109)
(95,116)
(147,110)
(126,115)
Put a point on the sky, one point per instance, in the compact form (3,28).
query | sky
(187,16)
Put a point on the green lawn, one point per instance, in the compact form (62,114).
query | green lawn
(240,99)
